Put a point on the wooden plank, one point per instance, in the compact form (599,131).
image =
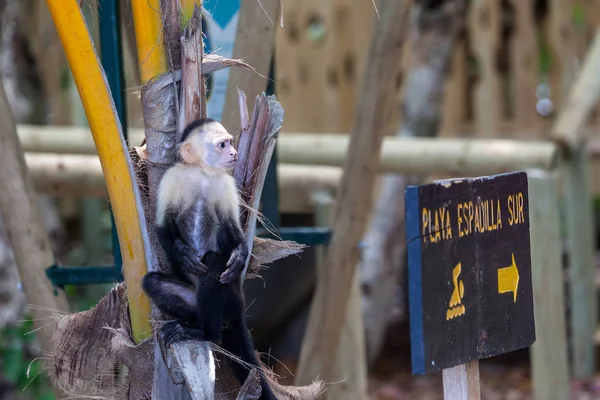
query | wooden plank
(484,31)
(328,317)
(254,42)
(524,64)
(462,382)
(581,235)
(469,270)
(549,364)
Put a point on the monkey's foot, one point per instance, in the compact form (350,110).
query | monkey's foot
(173,332)
(235,265)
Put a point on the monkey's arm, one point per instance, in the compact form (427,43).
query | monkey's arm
(181,255)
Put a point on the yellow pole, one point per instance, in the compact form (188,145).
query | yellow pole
(147,23)
(187,8)
(118,173)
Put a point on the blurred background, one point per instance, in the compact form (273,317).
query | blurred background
(496,69)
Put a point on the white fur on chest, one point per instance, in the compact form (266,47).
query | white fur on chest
(182,186)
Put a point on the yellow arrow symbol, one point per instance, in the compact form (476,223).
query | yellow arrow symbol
(508,279)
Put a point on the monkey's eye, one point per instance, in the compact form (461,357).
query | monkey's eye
(221,145)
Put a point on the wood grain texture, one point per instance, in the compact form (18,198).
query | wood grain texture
(462,382)
(549,363)
(469,270)
(327,317)
(524,65)
(171,32)
(484,27)
(254,42)
(321,53)
(192,104)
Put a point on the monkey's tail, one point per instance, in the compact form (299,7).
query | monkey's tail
(237,340)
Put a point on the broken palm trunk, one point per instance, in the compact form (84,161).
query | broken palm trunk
(95,344)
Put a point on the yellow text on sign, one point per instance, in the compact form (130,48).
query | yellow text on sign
(484,215)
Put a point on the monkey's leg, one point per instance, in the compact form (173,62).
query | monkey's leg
(211,302)
(171,296)
(237,340)
(178,300)
(174,331)
(211,297)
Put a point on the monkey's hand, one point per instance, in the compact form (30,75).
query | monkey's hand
(190,261)
(236,263)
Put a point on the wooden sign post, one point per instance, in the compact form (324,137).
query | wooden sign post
(469,276)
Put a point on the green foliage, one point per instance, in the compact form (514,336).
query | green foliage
(15,360)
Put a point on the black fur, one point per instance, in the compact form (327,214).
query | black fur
(218,314)
(193,126)
(185,261)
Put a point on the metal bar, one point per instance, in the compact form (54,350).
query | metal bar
(61,276)
(111,56)
(303,235)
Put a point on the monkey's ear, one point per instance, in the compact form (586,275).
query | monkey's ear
(187,152)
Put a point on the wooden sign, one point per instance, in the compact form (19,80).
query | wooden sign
(469,270)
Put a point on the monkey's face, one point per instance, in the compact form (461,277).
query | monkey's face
(211,146)
(220,152)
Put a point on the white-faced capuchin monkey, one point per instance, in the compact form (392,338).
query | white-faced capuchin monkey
(198,225)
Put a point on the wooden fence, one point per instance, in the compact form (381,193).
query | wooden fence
(513,63)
